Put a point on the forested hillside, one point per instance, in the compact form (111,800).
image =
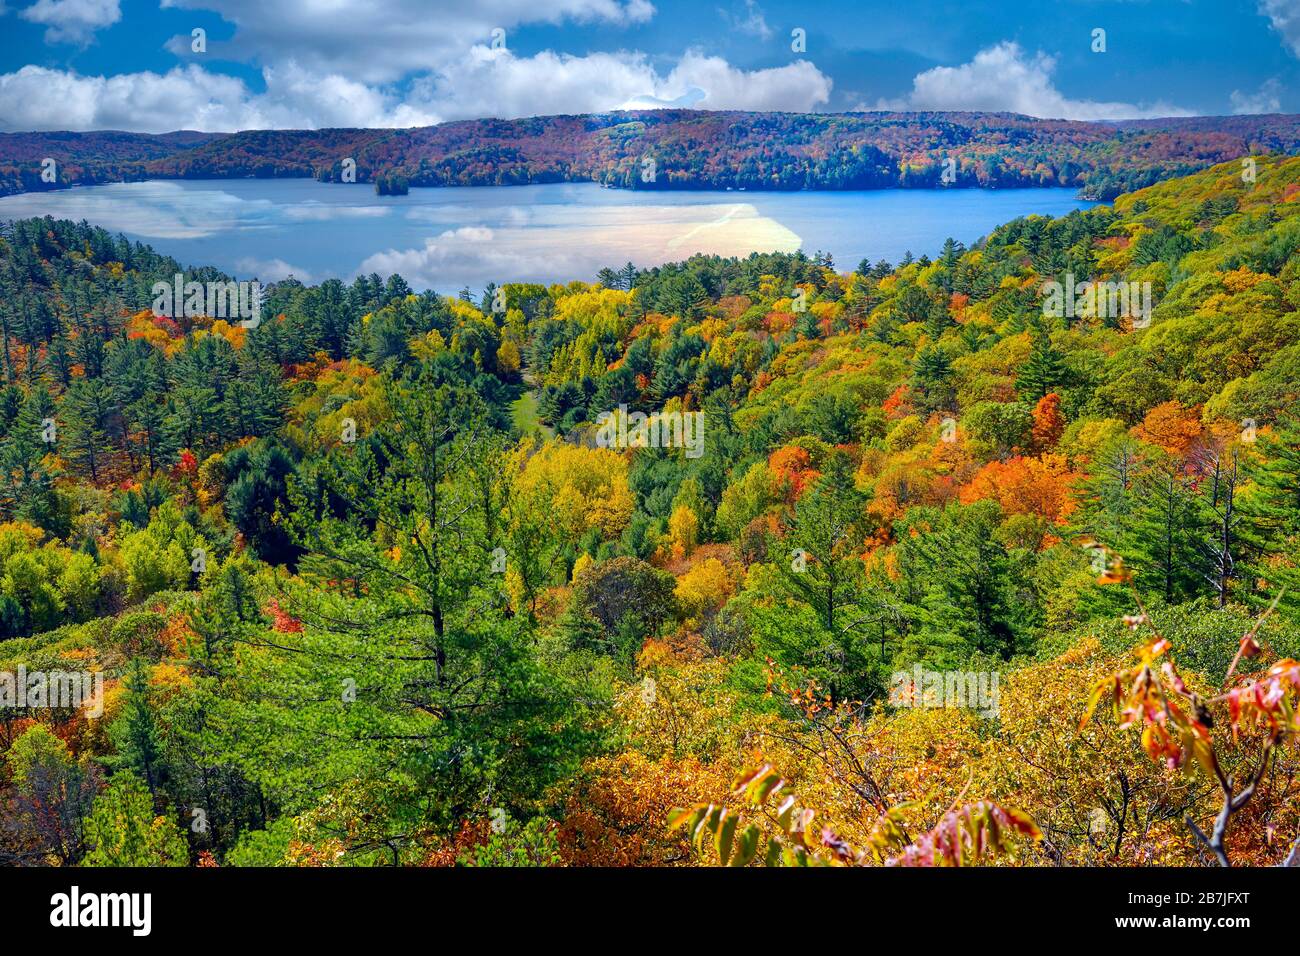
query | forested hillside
(368,587)
(688,149)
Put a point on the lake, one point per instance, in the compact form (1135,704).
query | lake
(449,238)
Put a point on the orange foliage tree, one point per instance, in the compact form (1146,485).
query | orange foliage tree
(793,468)
(1049,423)
(1036,486)
(1170,426)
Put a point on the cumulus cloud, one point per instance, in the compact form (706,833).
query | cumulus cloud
(71,21)
(795,86)
(1004,77)
(385,63)
(1264,100)
(496,83)
(1284,15)
(297,97)
(484,82)
(37,98)
(381,41)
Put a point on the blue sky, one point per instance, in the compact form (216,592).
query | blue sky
(129,64)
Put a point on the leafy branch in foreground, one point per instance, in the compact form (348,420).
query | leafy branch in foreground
(966,835)
(1177,722)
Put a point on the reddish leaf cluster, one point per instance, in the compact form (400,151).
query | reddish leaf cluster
(967,836)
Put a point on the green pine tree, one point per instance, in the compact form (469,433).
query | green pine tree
(1272,516)
(139,747)
(1044,370)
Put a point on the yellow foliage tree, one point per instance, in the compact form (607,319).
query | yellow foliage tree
(705,587)
(684,529)
(584,488)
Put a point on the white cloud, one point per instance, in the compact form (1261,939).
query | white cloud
(296,97)
(1263,100)
(385,63)
(1285,18)
(496,83)
(36,98)
(380,41)
(796,86)
(484,82)
(1004,77)
(71,21)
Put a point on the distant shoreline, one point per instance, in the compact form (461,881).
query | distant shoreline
(674,150)
(65,187)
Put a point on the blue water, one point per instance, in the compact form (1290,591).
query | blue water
(446,239)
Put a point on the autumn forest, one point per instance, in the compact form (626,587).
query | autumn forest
(729,561)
